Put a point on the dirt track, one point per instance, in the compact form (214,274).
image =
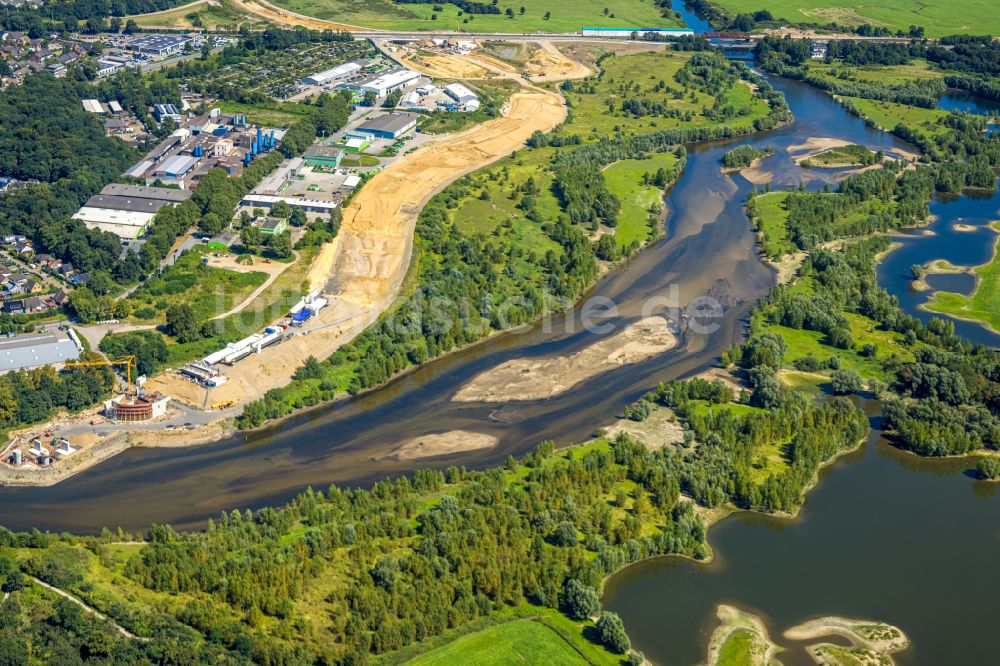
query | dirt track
(363,273)
(269,12)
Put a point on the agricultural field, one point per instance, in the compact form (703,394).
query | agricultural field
(984,303)
(938,17)
(563,15)
(207,15)
(647,80)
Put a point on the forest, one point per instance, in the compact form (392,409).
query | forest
(420,555)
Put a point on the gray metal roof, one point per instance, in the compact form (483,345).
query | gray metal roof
(389,122)
(168,194)
(132,205)
(29,351)
(323,151)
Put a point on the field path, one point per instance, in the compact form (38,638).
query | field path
(93,611)
(265,10)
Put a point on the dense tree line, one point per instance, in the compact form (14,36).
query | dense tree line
(32,396)
(48,136)
(467,6)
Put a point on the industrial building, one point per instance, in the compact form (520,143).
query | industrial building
(213,140)
(388,126)
(337,73)
(138,408)
(265,201)
(161,45)
(20,352)
(207,371)
(127,210)
(164,111)
(93,106)
(639,32)
(459,93)
(387,83)
(323,156)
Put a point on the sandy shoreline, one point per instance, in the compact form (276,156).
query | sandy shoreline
(442,444)
(537,379)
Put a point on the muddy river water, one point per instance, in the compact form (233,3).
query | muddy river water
(910,542)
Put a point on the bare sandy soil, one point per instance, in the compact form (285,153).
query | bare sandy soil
(443,65)
(733,620)
(536,379)
(549,64)
(659,429)
(442,444)
(363,272)
(872,643)
(269,12)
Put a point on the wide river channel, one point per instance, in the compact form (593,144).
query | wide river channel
(886,536)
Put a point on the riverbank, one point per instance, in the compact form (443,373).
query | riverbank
(537,379)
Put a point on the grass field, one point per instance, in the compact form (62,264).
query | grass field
(802,343)
(738,649)
(218,289)
(205,15)
(589,103)
(770,216)
(886,115)
(271,114)
(624,179)
(938,17)
(564,15)
(518,642)
(917,70)
(983,305)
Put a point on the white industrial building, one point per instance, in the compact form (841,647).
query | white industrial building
(265,201)
(333,74)
(127,210)
(18,352)
(460,93)
(93,106)
(387,83)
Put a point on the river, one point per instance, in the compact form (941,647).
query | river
(707,248)
(885,535)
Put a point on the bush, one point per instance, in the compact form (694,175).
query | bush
(581,601)
(988,468)
(845,381)
(612,632)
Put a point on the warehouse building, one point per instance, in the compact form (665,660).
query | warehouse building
(127,210)
(19,352)
(337,73)
(388,126)
(161,45)
(323,156)
(387,83)
(460,93)
(266,201)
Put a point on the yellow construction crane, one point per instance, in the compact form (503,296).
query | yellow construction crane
(127,361)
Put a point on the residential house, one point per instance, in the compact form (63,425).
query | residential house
(24,249)
(65,269)
(59,298)
(81,279)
